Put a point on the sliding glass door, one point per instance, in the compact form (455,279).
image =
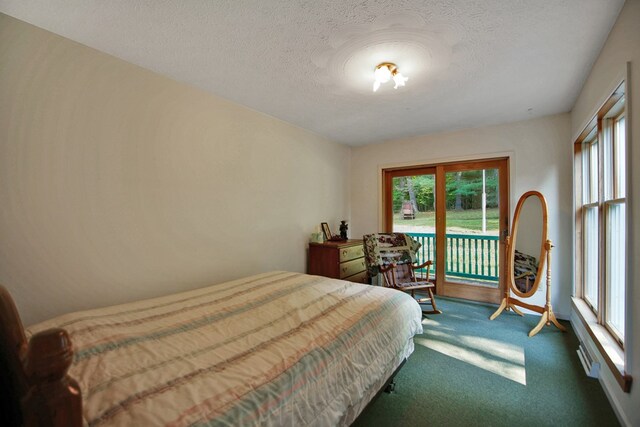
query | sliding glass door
(459,212)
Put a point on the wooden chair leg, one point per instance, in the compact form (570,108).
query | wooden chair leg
(433,303)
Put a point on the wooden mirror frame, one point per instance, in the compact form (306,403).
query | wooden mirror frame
(510,303)
(511,253)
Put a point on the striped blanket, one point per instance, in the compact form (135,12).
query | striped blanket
(276,349)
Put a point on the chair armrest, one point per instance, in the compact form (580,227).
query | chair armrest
(423,265)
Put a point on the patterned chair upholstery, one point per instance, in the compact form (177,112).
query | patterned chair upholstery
(390,259)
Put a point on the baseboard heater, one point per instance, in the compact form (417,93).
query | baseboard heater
(591,367)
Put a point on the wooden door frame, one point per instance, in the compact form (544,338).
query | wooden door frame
(461,290)
(439,170)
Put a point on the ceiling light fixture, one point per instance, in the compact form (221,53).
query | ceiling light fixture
(385,72)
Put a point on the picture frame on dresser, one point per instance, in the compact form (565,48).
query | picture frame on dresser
(326,231)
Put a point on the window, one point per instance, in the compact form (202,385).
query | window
(590,218)
(615,225)
(601,215)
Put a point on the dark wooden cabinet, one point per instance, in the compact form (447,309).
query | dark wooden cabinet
(338,260)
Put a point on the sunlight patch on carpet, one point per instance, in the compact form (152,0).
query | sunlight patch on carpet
(497,357)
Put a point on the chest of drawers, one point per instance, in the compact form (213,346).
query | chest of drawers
(338,260)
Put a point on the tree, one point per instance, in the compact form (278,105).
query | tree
(458,193)
(463,190)
(412,193)
(424,186)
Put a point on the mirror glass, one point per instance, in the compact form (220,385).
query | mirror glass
(527,250)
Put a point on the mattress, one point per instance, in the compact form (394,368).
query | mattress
(274,349)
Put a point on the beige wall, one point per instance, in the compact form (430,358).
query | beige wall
(622,46)
(540,159)
(117,183)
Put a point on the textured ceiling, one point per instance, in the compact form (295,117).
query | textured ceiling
(310,63)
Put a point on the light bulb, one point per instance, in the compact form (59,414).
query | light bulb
(383,74)
(399,79)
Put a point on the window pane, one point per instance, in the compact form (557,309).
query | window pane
(585,174)
(608,174)
(414,212)
(620,157)
(591,256)
(615,257)
(593,172)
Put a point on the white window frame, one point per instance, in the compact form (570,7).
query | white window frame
(593,314)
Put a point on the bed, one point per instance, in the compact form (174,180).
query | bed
(273,349)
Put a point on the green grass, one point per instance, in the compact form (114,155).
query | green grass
(468,219)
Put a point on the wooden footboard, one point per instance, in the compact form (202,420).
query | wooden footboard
(35,387)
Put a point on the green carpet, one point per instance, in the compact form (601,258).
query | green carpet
(469,371)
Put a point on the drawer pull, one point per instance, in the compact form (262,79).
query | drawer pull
(352,267)
(352,252)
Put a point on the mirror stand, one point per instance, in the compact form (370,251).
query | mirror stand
(510,303)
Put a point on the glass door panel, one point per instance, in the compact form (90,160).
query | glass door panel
(473,227)
(413,212)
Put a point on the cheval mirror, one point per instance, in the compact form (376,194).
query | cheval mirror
(524,271)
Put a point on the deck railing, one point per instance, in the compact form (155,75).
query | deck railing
(468,256)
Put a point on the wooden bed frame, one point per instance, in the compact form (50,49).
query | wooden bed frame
(34,385)
(35,389)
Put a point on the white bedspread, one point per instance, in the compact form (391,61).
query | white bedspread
(275,349)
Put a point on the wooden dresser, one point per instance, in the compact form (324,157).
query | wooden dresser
(338,260)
